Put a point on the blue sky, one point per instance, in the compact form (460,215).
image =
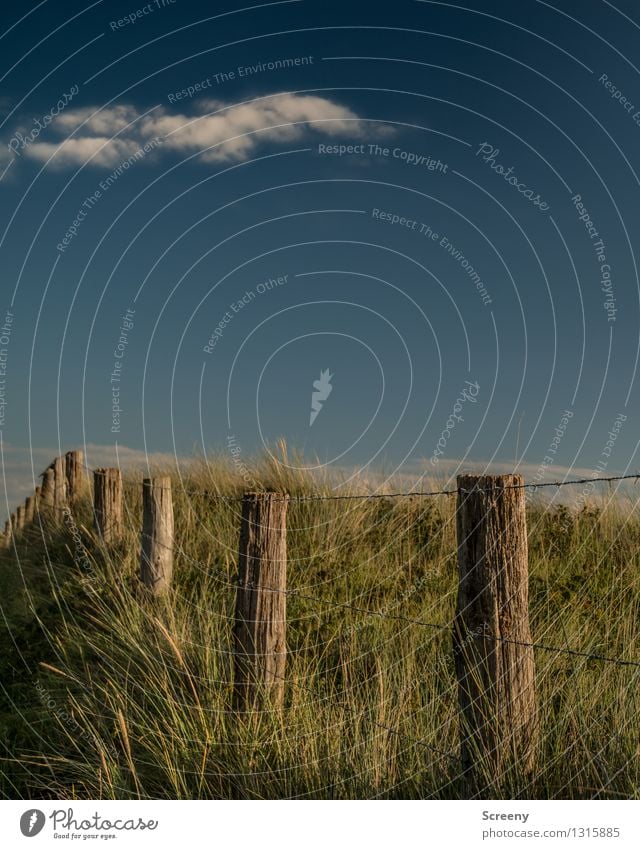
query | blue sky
(204,207)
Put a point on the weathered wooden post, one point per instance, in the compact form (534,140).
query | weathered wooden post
(107,504)
(48,486)
(6,539)
(19,519)
(261,602)
(156,560)
(75,474)
(493,656)
(59,488)
(29,509)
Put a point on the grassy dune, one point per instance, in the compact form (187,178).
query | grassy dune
(106,694)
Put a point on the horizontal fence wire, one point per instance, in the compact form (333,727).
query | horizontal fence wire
(370,496)
(411,620)
(419,494)
(414,621)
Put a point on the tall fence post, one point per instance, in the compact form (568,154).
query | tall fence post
(19,519)
(48,486)
(107,503)
(29,509)
(493,656)
(6,539)
(59,487)
(75,474)
(156,561)
(261,602)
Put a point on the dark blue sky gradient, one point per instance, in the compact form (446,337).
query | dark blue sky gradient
(392,314)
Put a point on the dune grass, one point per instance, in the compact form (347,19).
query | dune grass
(106,694)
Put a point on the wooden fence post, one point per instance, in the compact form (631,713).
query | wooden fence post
(19,519)
(156,560)
(29,509)
(107,503)
(261,602)
(494,664)
(6,539)
(46,492)
(74,472)
(59,488)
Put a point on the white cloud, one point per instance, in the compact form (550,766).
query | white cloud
(222,132)
(105,122)
(98,150)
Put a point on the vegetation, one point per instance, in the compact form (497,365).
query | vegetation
(106,694)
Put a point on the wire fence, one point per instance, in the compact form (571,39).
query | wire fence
(592,656)
(370,496)
(408,620)
(359,610)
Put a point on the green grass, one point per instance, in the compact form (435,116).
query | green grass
(106,694)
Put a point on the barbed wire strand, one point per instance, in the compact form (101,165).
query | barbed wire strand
(370,496)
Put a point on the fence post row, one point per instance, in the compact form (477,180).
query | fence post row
(107,504)
(156,560)
(492,640)
(261,603)
(496,678)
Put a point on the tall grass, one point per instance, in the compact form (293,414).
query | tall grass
(106,694)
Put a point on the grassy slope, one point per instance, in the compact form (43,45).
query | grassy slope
(107,695)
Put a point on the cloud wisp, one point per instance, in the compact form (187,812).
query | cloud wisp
(219,132)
